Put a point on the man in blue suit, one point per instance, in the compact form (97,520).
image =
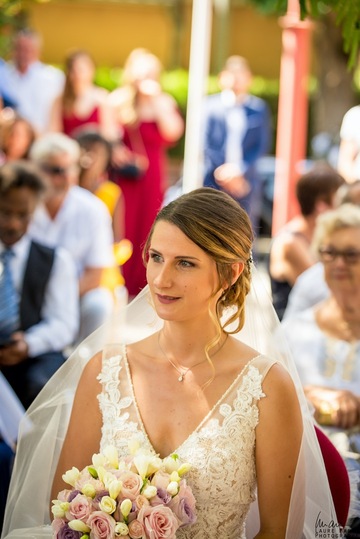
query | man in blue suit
(236,134)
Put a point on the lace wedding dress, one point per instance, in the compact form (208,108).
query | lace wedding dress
(221,450)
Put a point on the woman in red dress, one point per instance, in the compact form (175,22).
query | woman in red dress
(151,122)
(82,104)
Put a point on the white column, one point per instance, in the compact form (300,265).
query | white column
(198,72)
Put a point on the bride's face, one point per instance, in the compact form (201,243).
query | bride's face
(182,278)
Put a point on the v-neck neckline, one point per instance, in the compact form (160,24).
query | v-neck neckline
(202,422)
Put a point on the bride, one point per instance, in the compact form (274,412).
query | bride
(192,378)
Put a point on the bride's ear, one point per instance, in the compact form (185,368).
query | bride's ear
(236,270)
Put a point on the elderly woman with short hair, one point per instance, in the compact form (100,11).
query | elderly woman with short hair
(325,339)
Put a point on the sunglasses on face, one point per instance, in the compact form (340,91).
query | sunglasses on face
(329,254)
(54,170)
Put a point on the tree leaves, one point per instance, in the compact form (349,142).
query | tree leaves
(347,17)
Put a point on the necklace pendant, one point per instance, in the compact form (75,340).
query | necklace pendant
(181,378)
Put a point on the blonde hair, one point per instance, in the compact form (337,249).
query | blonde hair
(345,216)
(139,61)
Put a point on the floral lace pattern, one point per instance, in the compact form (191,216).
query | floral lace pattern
(221,450)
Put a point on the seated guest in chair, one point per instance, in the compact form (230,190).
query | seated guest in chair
(38,289)
(75,219)
(325,339)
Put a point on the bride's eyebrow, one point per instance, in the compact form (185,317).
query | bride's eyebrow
(178,257)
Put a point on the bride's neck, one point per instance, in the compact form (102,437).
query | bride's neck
(186,343)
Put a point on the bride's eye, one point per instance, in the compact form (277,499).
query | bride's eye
(155,257)
(186,264)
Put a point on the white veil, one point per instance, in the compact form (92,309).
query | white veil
(43,430)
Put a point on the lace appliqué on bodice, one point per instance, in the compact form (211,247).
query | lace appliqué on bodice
(221,450)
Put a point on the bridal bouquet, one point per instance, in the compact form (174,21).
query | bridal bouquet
(139,497)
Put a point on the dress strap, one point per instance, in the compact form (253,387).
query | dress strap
(263,364)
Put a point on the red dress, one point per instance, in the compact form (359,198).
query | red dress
(143,198)
(72,123)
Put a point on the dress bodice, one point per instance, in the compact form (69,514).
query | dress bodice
(221,449)
(73,122)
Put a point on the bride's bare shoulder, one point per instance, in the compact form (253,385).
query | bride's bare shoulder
(91,371)
(143,347)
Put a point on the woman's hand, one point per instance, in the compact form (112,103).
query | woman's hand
(227,176)
(335,407)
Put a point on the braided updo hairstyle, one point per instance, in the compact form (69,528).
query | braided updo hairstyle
(220,227)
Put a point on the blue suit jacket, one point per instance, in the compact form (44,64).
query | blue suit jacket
(255,142)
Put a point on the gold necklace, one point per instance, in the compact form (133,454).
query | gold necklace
(182,374)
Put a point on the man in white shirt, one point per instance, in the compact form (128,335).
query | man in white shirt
(31,85)
(41,288)
(73,218)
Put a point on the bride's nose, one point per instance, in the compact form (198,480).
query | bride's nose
(164,277)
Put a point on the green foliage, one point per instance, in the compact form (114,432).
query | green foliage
(109,78)
(12,17)
(347,17)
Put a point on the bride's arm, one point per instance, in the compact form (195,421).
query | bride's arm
(82,439)
(278,440)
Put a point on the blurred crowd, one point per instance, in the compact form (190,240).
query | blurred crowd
(83,172)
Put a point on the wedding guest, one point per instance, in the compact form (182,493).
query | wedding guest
(38,289)
(240,423)
(310,287)
(325,339)
(151,122)
(33,85)
(94,176)
(75,219)
(94,165)
(5,100)
(82,103)
(237,133)
(349,157)
(290,252)
(16,136)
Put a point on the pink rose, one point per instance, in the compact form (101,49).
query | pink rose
(140,501)
(136,529)
(158,522)
(63,495)
(80,508)
(85,478)
(102,525)
(183,505)
(161,480)
(131,485)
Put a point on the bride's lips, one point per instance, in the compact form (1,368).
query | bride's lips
(166,299)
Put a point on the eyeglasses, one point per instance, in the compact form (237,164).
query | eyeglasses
(329,254)
(54,170)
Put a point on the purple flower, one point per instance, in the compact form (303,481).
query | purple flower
(73,495)
(185,512)
(162,497)
(183,505)
(98,497)
(67,533)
